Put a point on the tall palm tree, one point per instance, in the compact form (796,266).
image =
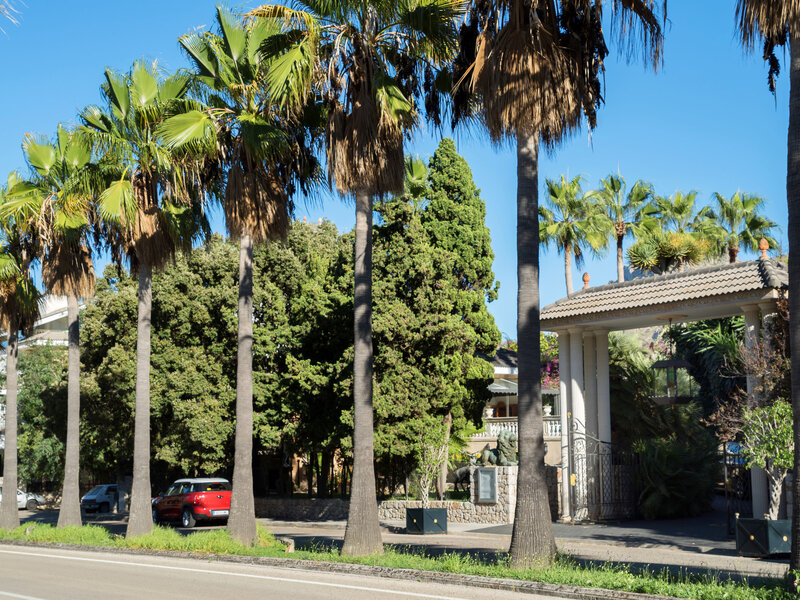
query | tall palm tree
(530,70)
(19,310)
(149,203)
(627,211)
(677,212)
(266,157)
(739,223)
(368,59)
(573,222)
(60,208)
(776,23)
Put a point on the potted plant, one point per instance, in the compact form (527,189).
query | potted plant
(431,453)
(767,443)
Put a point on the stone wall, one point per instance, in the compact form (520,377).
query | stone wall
(336,509)
(302,509)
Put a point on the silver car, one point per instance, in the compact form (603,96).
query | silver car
(26,500)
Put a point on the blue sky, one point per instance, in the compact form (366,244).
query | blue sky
(704,122)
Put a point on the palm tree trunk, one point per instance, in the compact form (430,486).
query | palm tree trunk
(9,514)
(620,260)
(242,521)
(363,534)
(140,521)
(732,254)
(532,539)
(70,513)
(567,248)
(793,200)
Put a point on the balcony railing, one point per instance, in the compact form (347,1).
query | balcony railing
(494,425)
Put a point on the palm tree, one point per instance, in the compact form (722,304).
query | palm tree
(266,156)
(573,221)
(676,212)
(8,11)
(776,23)
(659,251)
(19,310)
(149,203)
(59,209)
(739,223)
(530,70)
(368,59)
(627,212)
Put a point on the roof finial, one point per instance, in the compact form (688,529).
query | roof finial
(586,281)
(305,219)
(763,245)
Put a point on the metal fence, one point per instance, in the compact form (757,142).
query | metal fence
(736,480)
(604,481)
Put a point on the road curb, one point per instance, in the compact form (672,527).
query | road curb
(510,585)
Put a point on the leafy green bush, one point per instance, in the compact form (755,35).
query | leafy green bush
(676,475)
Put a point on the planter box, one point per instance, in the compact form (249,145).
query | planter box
(426,520)
(763,537)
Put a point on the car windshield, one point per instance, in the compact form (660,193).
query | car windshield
(95,490)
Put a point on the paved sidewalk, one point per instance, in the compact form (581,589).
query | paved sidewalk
(699,545)
(694,545)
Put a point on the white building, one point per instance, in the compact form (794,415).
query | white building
(51,328)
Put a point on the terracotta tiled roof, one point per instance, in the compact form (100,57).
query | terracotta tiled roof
(689,285)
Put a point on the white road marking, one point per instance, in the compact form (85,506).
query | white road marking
(210,572)
(17,596)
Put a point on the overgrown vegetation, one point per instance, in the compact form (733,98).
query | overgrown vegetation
(564,570)
(677,454)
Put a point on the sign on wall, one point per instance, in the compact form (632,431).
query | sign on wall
(486,479)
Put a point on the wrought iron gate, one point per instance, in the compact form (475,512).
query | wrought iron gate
(738,487)
(603,482)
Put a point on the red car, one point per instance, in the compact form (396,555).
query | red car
(192,500)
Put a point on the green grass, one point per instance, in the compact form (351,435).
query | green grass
(564,570)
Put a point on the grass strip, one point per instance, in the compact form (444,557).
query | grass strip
(564,570)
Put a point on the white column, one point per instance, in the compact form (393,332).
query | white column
(603,388)
(758,478)
(593,466)
(576,377)
(590,383)
(564,388)
(578,425)
(750,339)
(604,425)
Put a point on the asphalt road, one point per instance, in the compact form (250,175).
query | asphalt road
(44,574)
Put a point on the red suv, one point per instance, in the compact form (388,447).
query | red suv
(191,500)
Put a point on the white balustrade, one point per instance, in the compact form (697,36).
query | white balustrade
(494,425)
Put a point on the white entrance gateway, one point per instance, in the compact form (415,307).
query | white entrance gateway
(584,319)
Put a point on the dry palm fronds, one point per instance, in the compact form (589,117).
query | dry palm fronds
(767,19)
(256,203)
(526,88)
(148,240)
(365,149)
(68,270)
(19,305)
(628,16)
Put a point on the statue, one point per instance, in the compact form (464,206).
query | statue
(462,475)
(505,455)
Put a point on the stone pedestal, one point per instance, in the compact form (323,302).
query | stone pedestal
(501,511)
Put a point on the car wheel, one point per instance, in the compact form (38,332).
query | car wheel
(104,507)
(31,504)
(156,520)
(187,518)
